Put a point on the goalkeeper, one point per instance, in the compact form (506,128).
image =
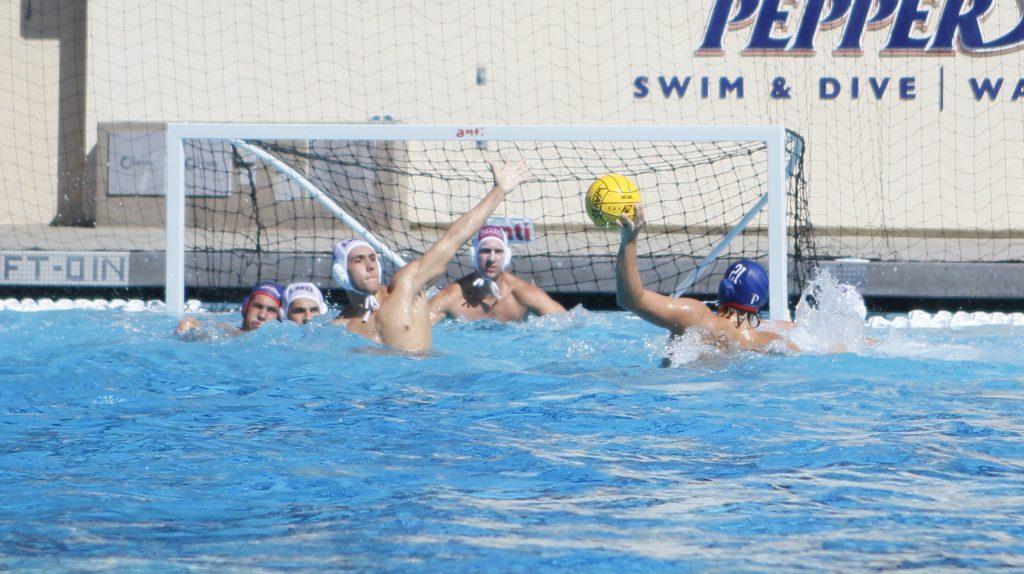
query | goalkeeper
(742,293)
(398,315)
(491,292)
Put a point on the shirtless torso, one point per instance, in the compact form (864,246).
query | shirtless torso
(464,301)
(402,320)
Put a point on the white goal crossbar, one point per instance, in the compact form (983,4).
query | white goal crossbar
(774,138)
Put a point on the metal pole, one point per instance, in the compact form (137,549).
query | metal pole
(778,257)
(174,188)
(324,200)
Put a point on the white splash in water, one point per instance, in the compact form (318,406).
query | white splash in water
(693,349)
(574,318)
(829,317)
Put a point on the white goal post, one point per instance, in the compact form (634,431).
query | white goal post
(773,137)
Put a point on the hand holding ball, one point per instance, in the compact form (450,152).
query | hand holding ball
(609,197)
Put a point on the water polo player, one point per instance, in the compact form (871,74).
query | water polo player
(398,315)
(302,302)
(262,304)
(742,293)
(491,292)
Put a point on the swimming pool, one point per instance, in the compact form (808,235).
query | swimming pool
(552,445)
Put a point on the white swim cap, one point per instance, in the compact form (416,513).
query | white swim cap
(297,291)
(340,271)
(489,233)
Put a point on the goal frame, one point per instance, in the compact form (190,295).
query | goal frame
(774,138)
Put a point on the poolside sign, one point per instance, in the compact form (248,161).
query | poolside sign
(878,33)
(65,268)
(517,229)
(957,26)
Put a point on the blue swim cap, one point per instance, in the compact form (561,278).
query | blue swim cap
(744,287)
(268,288)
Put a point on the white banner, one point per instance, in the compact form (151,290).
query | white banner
(517,229)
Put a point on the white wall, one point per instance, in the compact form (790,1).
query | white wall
(905,166)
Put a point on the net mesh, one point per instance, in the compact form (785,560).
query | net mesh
(262,224)
(90,85)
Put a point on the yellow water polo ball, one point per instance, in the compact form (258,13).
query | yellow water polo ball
(610,196)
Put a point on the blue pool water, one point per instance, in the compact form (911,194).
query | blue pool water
(556,445)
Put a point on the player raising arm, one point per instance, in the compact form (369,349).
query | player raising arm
(398,314)
(741,294)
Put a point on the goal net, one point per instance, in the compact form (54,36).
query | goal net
(262,203)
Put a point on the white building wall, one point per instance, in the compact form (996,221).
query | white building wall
(906,166)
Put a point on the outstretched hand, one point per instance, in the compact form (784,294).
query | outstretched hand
(508,175)
(630,228)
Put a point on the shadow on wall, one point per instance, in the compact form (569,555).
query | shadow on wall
(65,21)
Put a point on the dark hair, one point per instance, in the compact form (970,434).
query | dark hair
(739,315)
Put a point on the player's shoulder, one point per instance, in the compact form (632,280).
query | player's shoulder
(766,337)
(513,280)
(519,284)
(521,288)
(693,307)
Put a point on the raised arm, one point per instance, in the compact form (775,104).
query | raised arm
(667,312)
(429,267)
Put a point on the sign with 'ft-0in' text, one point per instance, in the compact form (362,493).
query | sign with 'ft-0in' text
(65,268)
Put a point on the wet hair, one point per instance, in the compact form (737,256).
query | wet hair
(738,316)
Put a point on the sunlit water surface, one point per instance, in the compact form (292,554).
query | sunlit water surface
(558,444)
